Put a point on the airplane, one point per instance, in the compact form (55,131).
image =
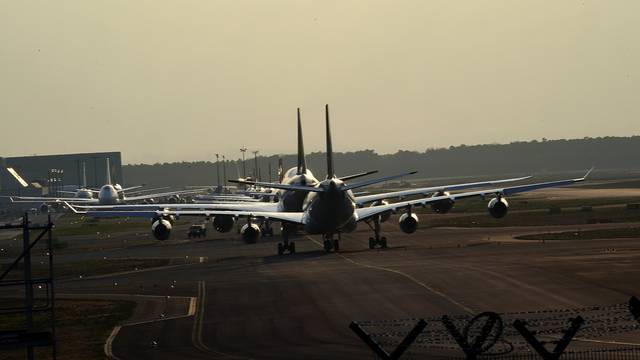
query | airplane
(329,208)
(108,194)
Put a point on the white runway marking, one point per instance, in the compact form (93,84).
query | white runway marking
(413,279)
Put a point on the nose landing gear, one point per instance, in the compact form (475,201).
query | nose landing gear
(331,243)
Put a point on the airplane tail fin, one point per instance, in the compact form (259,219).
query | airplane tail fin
(280,170)
(302,163)
(108,172)
(330,170)
(84,175)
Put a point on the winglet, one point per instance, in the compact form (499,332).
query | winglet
(588,173)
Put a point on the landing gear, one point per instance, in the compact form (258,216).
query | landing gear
(331,243)
(377,240)
(286,245)
(266,229)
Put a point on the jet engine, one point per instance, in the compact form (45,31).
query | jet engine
(161,229)
(223,223)
(442,206)
(174,199)
(408,223)
(385,215)
(250,232)
(498,207)
(44,208)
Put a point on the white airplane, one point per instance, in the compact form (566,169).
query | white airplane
(328,208)
(108,194)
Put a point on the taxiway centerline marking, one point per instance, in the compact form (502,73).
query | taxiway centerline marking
(198,319)
(108,345)
(196,335)
(398,272)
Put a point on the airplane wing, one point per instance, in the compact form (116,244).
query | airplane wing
(293,217)
(368,212)
(31,199)
(164,194)
(224,198)
(260,206)
(139,192)
(278,186)
(425,191)
(131,188)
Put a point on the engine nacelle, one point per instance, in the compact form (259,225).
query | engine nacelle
(223,223)
(161,229)
(385,215)
(442,206)
(174,199)
(408,223)
(250,232)
(170,218)
(44,208)
(498,207)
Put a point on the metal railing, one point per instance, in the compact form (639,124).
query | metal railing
(28,337)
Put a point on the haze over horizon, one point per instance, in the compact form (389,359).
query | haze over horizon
(174,81)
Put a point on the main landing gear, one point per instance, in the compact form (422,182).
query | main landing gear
(331,243)
(266,229)
(286,245)
(376,240)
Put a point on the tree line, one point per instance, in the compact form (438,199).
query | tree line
(521,157)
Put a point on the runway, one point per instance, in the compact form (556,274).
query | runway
(251,303)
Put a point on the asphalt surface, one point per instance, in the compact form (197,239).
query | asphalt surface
(243,301)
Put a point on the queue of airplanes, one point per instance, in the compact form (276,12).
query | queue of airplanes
(108,194)
(326,207)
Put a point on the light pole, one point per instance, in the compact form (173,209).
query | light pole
(244,168)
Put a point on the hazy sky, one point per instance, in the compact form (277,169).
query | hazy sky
(182,80)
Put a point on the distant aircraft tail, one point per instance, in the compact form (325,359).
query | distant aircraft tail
(108,172)
(330,171)
(280,170)
(302,163)
(84,175)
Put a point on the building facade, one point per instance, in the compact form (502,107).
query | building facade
(45,174)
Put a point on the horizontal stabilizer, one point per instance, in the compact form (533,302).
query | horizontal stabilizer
(278,186)
(354,176)
(376,181)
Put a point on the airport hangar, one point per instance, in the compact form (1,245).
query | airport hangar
(42,175)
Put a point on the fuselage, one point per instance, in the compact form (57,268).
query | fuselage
(108,195)
(84,194)
(330,211)
(293,200)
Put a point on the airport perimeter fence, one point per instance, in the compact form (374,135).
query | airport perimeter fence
(510,336)
(599,354)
